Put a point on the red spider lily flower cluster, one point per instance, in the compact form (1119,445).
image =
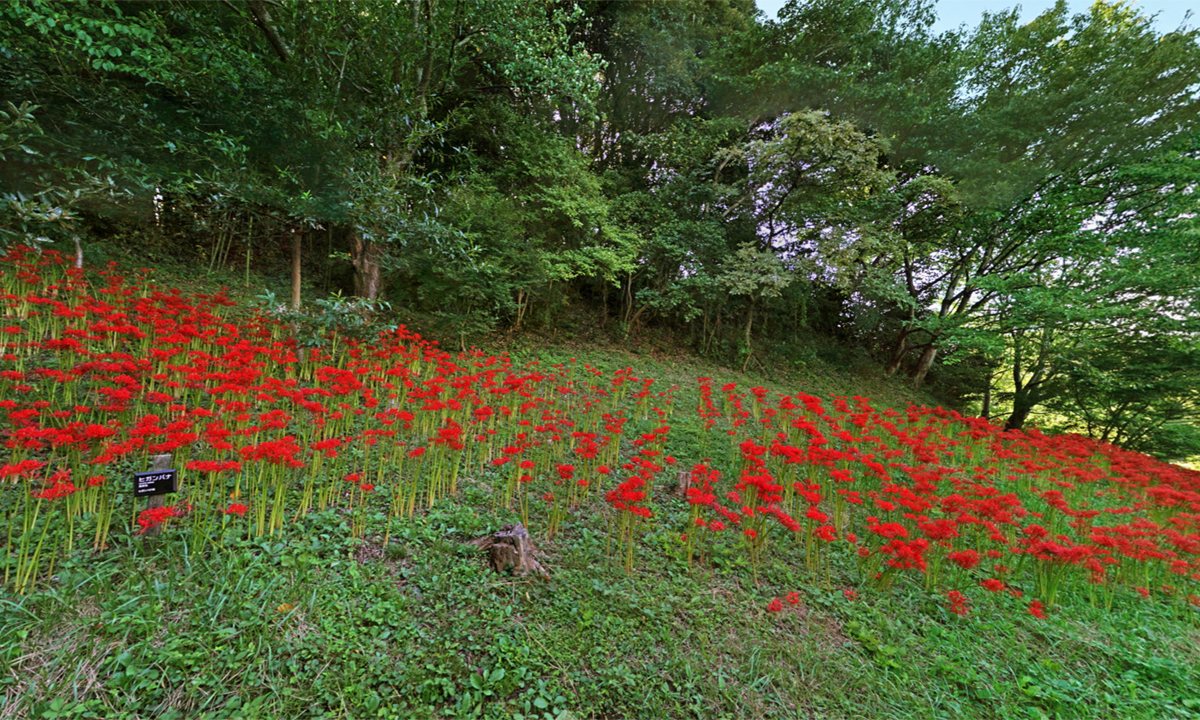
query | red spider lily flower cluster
(776,604)
(154,517)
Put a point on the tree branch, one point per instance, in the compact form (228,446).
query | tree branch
(263,21)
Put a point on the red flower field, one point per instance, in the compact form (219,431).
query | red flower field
(94,381)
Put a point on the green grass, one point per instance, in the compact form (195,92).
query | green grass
(316,624)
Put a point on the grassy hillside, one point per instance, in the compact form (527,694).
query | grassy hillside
(869,563)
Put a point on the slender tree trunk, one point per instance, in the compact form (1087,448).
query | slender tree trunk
(924,364)
(249,248)
(295,270)
(986,412)
(898,353)
(713,335)
(328,255)
(628,300)
(301,352)
(520,309)
(749,326)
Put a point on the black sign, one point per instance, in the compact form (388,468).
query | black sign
(153,483)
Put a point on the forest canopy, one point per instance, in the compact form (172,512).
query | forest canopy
(1007,212)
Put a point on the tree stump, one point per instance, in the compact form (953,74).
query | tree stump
(683,482)
(511,546)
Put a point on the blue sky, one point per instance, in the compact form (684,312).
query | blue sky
(952,13)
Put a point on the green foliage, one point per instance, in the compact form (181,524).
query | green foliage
(1137,392)
(17,124)
(755,273)
(353,317)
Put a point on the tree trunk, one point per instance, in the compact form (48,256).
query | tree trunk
(986,411)
(1022,406)
(898,353)
(628,299)
(521,302)
(924,364)
(295,270)
(249,247)
(301,353)
(749,326)
(1030,393)
(366,255)
(712,335)
(328,256)
(633,321)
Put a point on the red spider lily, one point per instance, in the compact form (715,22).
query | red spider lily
(214,466)
(60,486)
(992,585)
(24,468)
(965,559)
(957,602)
(153,517)
(905,555)
(276,452)
(826,532)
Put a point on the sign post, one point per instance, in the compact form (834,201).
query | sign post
(156,483)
